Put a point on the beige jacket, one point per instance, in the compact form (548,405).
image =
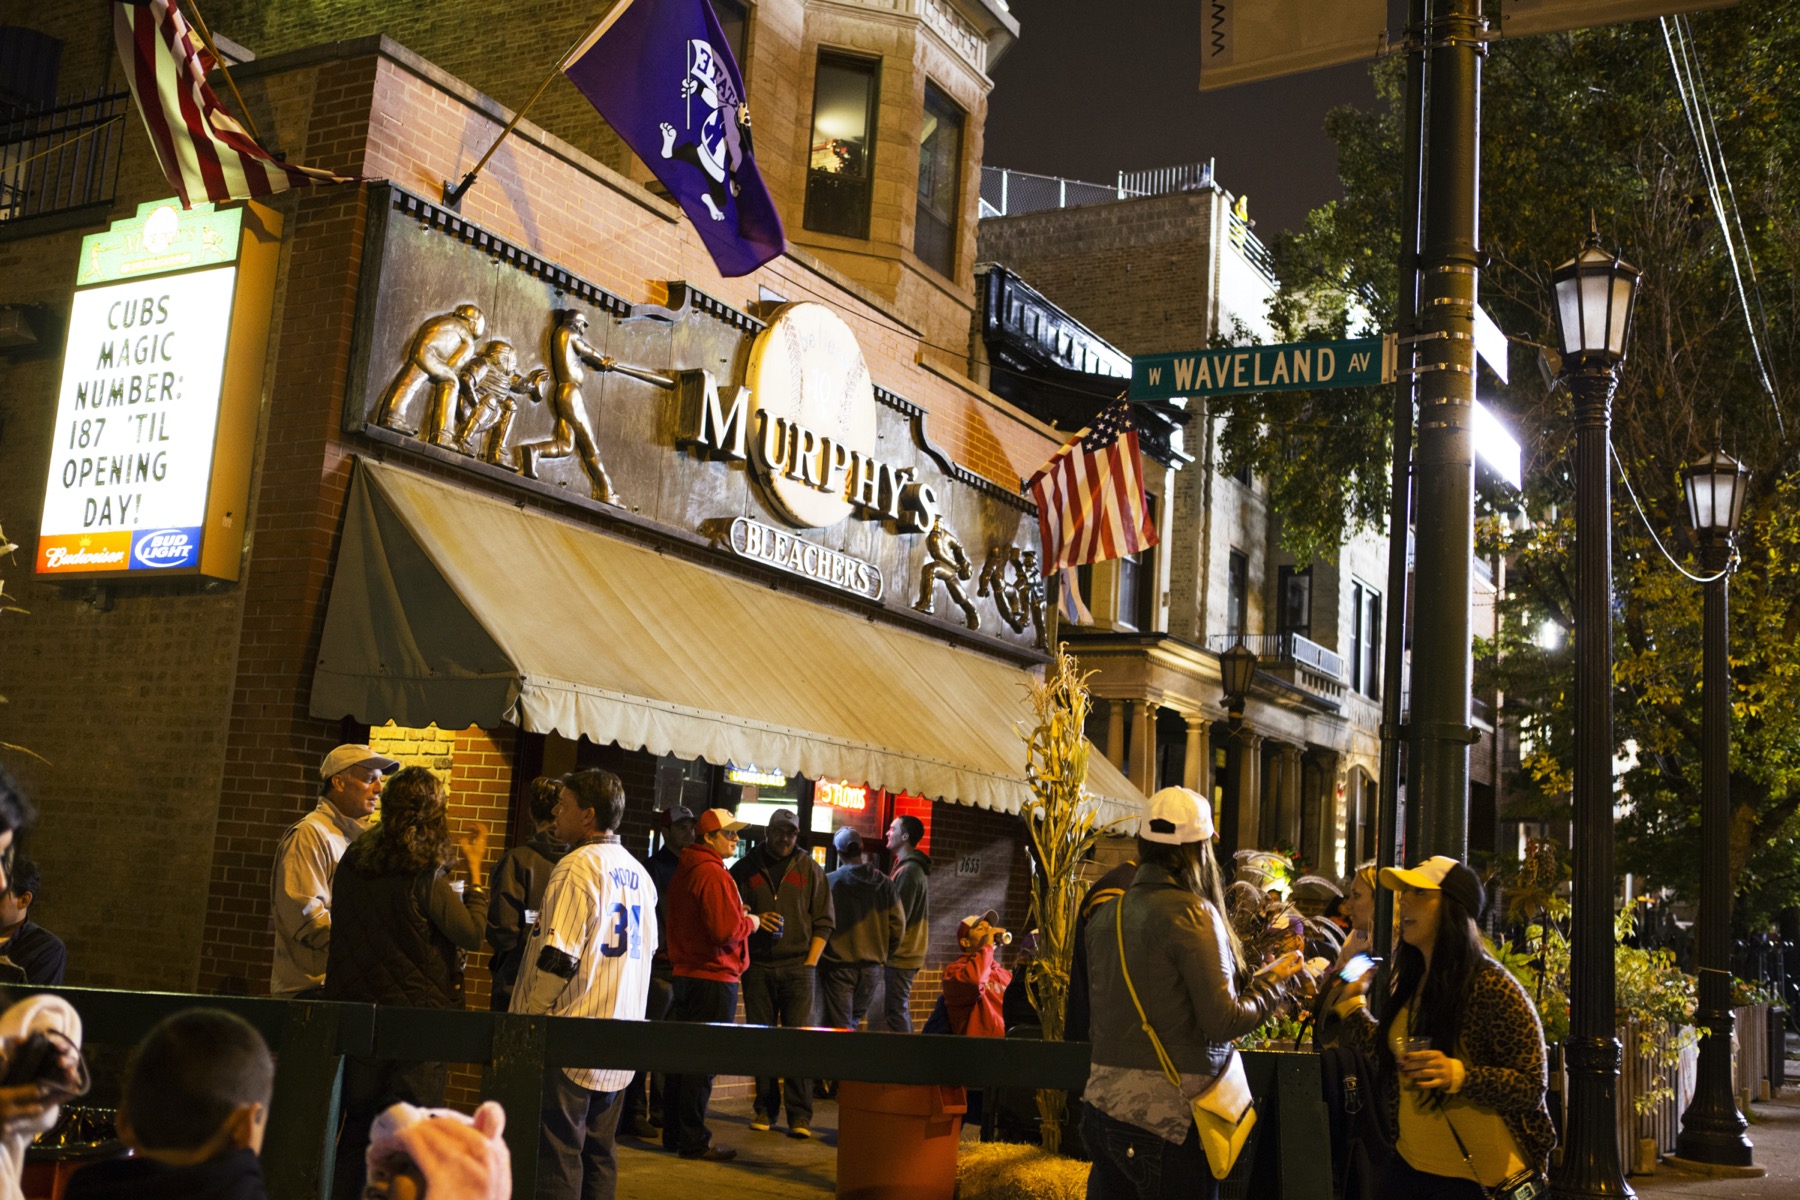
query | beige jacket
(305,861)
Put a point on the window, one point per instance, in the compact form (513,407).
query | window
(1295,590)
(1136,601)
(734,22)
(1365,640)
(838,176)
(1237,595)
(940,171)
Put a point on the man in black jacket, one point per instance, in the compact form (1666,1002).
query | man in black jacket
(34,950)
(787,892)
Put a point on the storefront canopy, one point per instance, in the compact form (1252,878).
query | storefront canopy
(455,608)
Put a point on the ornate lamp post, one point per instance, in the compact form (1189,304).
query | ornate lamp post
(1594,293)
(1712,1128)
(1237,672)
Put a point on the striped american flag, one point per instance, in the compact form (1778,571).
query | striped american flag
(202,149)
(1090,496)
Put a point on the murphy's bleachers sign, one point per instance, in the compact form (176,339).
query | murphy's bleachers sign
(761,436)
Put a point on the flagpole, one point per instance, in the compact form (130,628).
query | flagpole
(453,195)
(207,37)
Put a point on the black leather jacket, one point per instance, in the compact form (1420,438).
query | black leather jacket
(1180,958)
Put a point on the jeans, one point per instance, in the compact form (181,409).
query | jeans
(1134,1164)
(575,1148)
(781,996)
(896,999)
(845,991)
(370,1085)
(685,1097)
(638,1106)
(1401,1182)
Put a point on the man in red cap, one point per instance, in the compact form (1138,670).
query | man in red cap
(975,983)
(709,939)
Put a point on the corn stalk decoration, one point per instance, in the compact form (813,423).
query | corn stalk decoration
(1062,820)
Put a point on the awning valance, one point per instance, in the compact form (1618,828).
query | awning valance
(452,607)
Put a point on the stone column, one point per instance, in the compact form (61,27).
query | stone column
(1249,790)
(1196,763)
(1287,802)
(1143,745)
(1115,733)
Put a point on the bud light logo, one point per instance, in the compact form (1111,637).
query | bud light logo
(165,548)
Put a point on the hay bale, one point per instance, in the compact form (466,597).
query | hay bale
(1008,1171)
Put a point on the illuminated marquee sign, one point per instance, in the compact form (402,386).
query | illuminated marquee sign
(755,777)
(156,415)
(848,796)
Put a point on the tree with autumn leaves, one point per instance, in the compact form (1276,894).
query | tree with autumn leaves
(1594,122)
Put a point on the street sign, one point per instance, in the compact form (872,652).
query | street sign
(1243,370)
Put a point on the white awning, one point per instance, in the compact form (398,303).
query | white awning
(452,607)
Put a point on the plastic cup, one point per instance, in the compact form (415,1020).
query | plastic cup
(459,886)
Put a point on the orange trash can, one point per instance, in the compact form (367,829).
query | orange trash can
(898,1141)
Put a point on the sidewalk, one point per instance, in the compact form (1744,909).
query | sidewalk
(769,1165)
(773,1166)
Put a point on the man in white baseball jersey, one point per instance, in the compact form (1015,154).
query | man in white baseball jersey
(588,956)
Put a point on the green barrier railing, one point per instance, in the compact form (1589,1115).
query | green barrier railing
(1288,1155)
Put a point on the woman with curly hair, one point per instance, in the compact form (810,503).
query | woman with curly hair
(1458,1048)
(400,933)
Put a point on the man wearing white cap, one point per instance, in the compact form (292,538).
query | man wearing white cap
(306,859)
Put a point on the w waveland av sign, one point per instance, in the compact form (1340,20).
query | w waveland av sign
(1294,366)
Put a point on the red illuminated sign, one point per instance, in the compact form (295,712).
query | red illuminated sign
(848,796)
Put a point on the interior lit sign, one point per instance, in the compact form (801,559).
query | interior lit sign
(755,777)
(161,382)
(843,795)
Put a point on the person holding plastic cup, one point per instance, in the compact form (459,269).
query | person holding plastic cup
(1459,1049)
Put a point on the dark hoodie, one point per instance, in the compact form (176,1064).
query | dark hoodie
(234,1176)
(909,880)
(793,886)
(518,885)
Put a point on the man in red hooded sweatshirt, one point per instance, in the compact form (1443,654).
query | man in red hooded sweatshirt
(709,947)
(975,983)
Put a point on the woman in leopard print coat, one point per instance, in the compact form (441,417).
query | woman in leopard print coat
(1469,1110)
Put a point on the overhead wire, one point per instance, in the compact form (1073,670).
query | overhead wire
(1685,66)
(1651,529)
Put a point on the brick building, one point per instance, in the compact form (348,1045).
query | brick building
(1077,278)
(438,601)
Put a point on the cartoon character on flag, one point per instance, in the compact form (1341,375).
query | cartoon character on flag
(724,141)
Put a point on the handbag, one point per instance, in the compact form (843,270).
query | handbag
(1224,1110)
(1521,1185)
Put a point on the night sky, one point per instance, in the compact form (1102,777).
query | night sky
(1088,91)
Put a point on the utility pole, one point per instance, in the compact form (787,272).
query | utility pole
(1444,472)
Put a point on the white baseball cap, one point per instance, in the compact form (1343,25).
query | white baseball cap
(1176,816)
(345,757)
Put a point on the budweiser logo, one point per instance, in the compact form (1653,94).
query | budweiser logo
(63,556)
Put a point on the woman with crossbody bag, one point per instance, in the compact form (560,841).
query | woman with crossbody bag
(1459,1049)
(1169,994)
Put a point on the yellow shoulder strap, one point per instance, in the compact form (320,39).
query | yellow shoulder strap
(1162,1056)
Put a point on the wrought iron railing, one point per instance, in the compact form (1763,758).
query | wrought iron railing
(1284,648)
(61,158)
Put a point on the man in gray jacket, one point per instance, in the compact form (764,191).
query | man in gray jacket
(786,891)
(911,869)
(307,857)
(869,926)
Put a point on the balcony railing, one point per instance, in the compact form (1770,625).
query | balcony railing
(1283,648)
(56,159)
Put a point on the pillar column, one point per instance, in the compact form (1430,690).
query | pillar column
(1115,733)
(1287,799)
(1248,787)
(1143,745)
(1196,763)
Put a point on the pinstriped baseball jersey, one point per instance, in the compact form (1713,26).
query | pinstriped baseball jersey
(589,954)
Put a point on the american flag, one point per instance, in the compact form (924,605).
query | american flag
(202,149)
(1090,496)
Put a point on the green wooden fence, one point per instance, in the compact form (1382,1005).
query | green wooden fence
(310,1039)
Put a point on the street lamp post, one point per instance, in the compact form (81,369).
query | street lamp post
(1594,294)
(1237,672)
(1712,1128)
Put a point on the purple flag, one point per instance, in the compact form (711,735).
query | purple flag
(661,73)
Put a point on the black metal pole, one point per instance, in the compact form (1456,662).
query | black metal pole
(1590,1162)
(1393,651)
(1712,1128)
(1438,763)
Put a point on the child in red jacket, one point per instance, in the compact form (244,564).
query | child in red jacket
(975,983)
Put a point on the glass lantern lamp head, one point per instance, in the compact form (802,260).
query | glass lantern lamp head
(1715,495)
(1237,670)
(1595,292)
